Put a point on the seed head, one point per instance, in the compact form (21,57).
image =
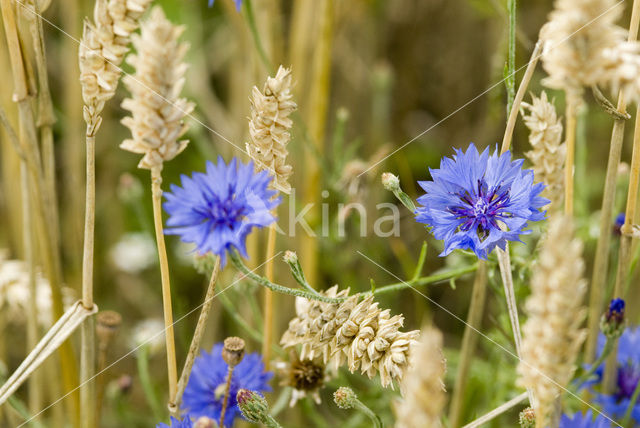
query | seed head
(233,351)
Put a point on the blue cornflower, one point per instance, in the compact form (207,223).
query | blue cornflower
(237,2)
(479,201)
(628,375)
(175,423)
(205,390)
(216,210)
(584,421)
(617,226)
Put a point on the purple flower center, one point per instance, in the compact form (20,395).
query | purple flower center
(482,209)
(223,213)
(628,377)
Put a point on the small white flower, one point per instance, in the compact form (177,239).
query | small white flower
(150,333)
(134,253)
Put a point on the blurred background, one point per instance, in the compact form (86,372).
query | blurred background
(370,77)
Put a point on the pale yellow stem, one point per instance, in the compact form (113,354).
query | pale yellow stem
(29,144)
(522,89)
(172,368)
(268,299)
(35,398)
(570,156)
(601,261)
(197,335)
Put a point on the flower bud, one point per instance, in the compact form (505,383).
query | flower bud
(290,257)
(390,182)
(344,397)
(612,321)
(233,351)
(253,406)
(527,418)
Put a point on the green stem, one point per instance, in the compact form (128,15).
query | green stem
(251,20)
(511,58)
(237,262)
(377,422)
(405,199)
(255,334)
(270,422)
(421,260)
(606,350)
(147,386)
(425,280)
(632,403)
(22,410)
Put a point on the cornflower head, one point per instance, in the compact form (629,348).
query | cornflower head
(575,39)
(205,391)
(269,128)
(612,321)
(355,332)
(217,209)
(423,387)
(157,110)
(479,201)
(619,222)
(586,420)
(548,150)
(552,335)
(627,378)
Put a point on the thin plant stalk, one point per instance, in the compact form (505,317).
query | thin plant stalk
(375,419)
(630,212)
(268,298)
(46,117)
(481,421)
(522,89)
(29,144)
(504,260)
(197,335)
(601,260)
(225,400)
(156,191)
(624,253)
(469,340)
(570,156)
(35,398)
(632,402)
(142,361)
(511,60)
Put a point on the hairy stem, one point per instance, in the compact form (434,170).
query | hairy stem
(268,298)
(469,340)
(251,20)
(197,335)
(375,419)
(260,280)
(156,190)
